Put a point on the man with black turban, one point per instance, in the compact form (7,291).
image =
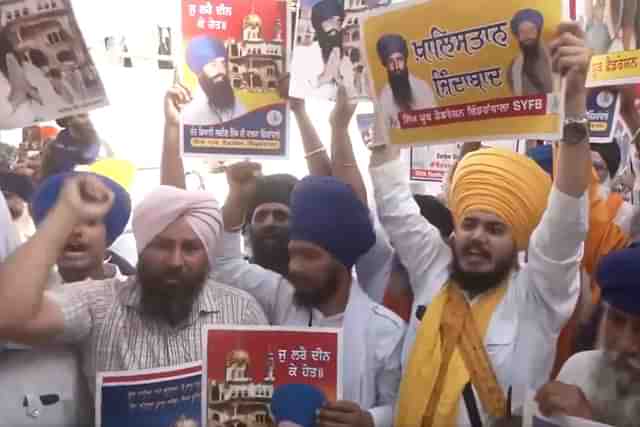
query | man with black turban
(530,72)
(267,222)
(404,92)
(326,18)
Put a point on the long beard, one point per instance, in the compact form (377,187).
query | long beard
(270,249)
(171,303)
(532,54)
(401,89)
(617,401)
(219,93)
(306,296)
(328,42)
(478,283)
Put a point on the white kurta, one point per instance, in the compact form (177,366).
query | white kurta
(422,98)
(523,331)
(373,335)
(199,113)
(53,370)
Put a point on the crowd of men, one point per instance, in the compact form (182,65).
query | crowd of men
(520,279)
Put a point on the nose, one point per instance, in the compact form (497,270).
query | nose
(176,259)
(269,220)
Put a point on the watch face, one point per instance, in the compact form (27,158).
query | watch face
(575,133)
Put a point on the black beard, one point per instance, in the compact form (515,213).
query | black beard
(531,54)
(401,89)
(273,254)
(478,283)
(170,303)
(313,297)
(219,93)
(328,42)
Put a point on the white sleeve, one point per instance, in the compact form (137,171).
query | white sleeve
(373,269)
(418,243)
(9,240)
(272,291)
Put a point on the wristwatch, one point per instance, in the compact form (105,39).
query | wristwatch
(576,130)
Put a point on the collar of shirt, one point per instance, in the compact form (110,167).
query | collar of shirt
(131,296)
(320,320)
(111,271)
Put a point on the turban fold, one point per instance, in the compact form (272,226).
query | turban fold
(390,44)
(20,185)
(271,189)
(323,10)
(115,221)
(617,276)
(527,15)
(165,205)
(297,403)
(543,156)
(503,183)
(203,50)
(610,153)
(325,211)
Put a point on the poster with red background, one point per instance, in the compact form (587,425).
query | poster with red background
(244,365)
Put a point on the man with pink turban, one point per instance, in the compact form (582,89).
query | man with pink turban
(150,320)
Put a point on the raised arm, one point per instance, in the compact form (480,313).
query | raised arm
(343,160)
(417,242)
(24,308)
(271,290)
(315,152)
(171,166)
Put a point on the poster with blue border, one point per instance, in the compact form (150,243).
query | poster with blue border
(150,398)
(603,110)
(234,55)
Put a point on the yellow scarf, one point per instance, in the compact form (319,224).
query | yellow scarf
(426,360)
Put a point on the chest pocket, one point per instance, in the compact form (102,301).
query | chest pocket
(500,344)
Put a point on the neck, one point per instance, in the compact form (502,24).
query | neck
(71,276)
(338,302)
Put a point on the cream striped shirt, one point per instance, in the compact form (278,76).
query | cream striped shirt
(103,319)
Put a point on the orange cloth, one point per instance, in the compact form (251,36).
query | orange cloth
(604,236)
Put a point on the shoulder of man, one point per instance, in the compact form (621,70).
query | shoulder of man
(230,295)
(579,367)
(386,319)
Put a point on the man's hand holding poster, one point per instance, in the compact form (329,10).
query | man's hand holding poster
(235,53)
(482,68)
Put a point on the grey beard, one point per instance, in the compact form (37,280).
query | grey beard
(617,401)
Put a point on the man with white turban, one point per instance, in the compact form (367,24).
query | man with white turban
(150,320)
(483,329)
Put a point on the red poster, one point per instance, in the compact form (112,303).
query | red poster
(244,366)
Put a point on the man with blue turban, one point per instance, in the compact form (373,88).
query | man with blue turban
(86,251)
(604,385)
(530,72)
(216,102)
(404,92)
(329,230)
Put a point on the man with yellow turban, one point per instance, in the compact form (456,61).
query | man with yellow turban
(483,330)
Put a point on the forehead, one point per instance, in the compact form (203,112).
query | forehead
(271,207)
(484,217)
(527,26)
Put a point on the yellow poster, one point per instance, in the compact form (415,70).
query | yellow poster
(447,71)
(613,69)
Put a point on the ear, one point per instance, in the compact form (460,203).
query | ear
(451,239)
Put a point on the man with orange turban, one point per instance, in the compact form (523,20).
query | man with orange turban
(483,330)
